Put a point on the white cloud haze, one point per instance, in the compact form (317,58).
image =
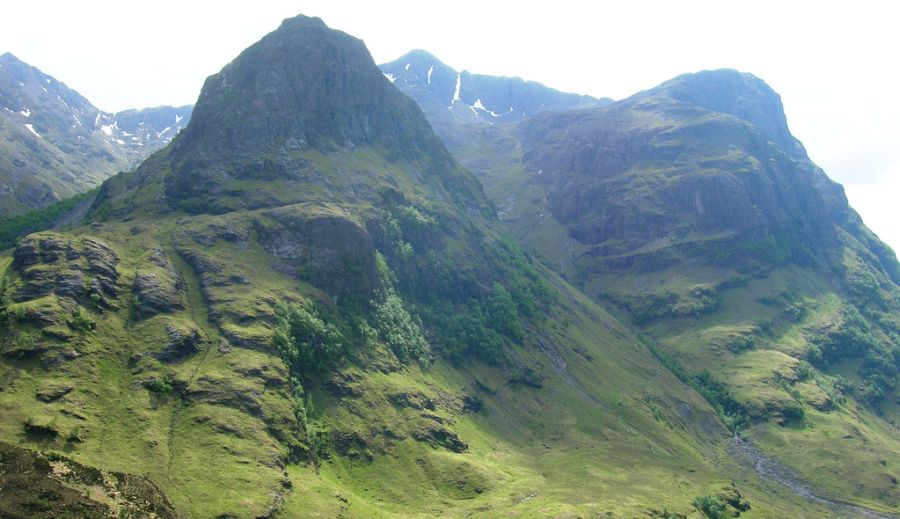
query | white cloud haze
(834,64)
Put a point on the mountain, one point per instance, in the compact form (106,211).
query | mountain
(305,306)
(450,98)
(692,209)
(54,143)
(149,129)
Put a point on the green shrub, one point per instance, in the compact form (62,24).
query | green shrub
(81,321)
(4,286)
(398,329)
(304,341)
(527,376)
(710,506)
(804,371)
(161,384)
(855,338)
(796,312)
(502,312)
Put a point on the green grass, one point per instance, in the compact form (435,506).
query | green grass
(750,341)
(610,430)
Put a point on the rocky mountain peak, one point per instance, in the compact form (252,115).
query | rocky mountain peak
(738,94)
(304,114)
(303,86)
(446,94)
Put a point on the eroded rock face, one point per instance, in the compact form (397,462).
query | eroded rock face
(64,281)
(335,252)
(60,265)
(437,435)
(158,288)
(184,340)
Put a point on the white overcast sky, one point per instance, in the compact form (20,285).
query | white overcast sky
(835,64)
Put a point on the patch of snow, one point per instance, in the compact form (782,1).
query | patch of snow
(178,119)
(76,120)
(31,129)
(430,70)
(107,129)
(45,90)
(120,141)
(47,80)
(126,134)
(160,134)
(456,92)
(21,84)
(481,107)
(406,68)
(390,77)
(26,112)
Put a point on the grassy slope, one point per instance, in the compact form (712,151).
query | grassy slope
(848,453)
(610,430)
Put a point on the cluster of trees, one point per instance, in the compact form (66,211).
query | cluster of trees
(473,305)
(855,338)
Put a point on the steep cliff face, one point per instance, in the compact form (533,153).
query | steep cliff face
(682,158)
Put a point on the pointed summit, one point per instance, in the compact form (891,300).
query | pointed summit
(303,86)
(289,120)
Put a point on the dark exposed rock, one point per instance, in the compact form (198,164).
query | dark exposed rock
(273,375)
(155,294)
(183,341)
(351,444)
(413,400)
(601,170)
(335,252)
(53,392)
(344,384)
(303,87)
(201,263)
(158,290)
(438,435)
(472,404)
(50,264)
